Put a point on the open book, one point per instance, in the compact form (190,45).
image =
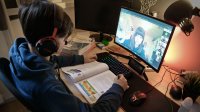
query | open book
(92,79)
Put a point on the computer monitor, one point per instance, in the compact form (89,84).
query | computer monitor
(144,36)
(98,15)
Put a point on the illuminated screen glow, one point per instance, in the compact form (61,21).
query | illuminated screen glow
(144,36)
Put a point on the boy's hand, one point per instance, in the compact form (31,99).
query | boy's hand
(121,80)
(89,58)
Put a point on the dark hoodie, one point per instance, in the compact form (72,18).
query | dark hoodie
(35,78)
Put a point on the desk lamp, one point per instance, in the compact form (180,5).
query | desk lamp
(181,12)
(183,53)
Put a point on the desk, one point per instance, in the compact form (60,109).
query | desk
(153,79)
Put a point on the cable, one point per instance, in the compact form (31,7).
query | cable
(172,78)
(175,77)
(131,55)
(172,108)
(172,81)
(156,83)
(169,70)
(54,60)
(169,101)
(166,70)
(119,54)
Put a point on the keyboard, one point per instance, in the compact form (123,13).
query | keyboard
(114,65)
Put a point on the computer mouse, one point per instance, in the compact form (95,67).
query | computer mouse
(175,92)
(137,98)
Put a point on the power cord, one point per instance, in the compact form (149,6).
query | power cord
(177,75)
(169,101)
(173,80)
(156,83)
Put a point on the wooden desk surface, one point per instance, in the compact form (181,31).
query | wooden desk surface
(153,79)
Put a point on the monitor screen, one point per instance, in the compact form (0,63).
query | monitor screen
(98,15)
(146,37)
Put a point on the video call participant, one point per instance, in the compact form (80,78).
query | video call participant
(33,70)
(137,42)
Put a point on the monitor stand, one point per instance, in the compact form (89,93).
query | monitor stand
(148,69)
(100,37)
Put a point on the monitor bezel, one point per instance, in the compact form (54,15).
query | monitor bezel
(167,46)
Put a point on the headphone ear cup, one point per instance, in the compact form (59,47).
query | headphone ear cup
(47,46)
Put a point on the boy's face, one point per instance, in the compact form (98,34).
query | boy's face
(61,41)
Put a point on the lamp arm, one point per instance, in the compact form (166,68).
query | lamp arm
(196,11)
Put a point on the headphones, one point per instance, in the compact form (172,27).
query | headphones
(48,45)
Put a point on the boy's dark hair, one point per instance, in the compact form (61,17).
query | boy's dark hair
(40,17)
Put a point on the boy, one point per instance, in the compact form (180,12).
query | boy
(32,66)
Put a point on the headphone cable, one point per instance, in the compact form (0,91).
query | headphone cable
(54,59)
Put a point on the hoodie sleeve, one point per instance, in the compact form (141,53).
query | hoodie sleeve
(71,60)
(56,99)
(109,101)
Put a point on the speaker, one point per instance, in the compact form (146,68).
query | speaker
(137,66)
(48,45)
(176,92)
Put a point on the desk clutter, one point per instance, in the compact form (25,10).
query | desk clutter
(153,101)
(78,46)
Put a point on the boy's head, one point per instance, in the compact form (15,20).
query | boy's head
(40,17)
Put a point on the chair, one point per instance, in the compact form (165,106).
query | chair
(6,78)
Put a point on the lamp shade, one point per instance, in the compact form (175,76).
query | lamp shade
(178,10)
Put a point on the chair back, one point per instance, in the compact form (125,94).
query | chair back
(5,76)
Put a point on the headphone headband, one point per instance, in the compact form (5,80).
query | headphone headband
(55,30)
(46,46)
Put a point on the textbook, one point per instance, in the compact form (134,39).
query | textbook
(78,47)
(92,79)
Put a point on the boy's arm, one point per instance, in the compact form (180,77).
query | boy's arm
(110,101)
(71,60)
(56,99)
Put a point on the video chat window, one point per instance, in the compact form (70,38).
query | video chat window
(144,36)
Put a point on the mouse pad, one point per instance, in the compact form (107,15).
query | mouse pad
(155,101)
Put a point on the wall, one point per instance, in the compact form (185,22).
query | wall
(162,5)
(183,52)
(3,26)
(3,44)
(4,47)
(7,35)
